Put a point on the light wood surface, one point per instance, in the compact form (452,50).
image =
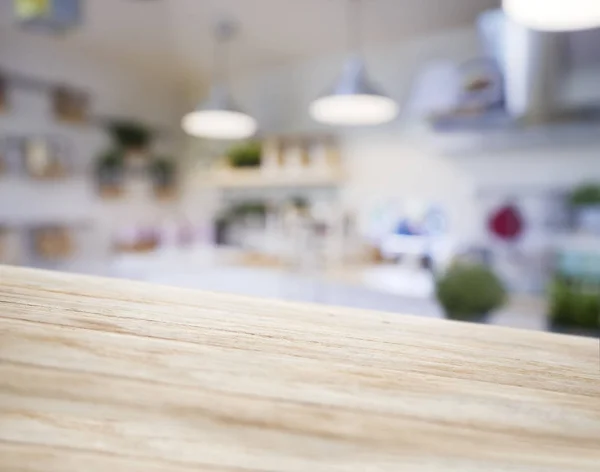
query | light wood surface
(110,375)
(257,178)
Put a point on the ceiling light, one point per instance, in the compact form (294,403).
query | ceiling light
(554,15)
(218,117)
(353,100)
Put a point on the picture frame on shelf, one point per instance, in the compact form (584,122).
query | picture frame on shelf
(70,105)
(45,157)
(52,242)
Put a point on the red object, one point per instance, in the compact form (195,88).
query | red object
(506,223)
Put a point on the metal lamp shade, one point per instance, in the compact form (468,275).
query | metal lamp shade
(353,100)
(554,15)
(219,118)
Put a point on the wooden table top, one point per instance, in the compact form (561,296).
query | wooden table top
(111,375)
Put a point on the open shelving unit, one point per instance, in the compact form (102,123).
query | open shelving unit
(257,178)
(297,162)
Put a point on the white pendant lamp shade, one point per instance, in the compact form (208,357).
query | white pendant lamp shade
(353,100)
(554,15)
(218,118)
(219,124)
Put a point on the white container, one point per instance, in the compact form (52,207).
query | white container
(320,159)
(270,164)
(293,159)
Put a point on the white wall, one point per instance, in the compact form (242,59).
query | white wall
(471,183)
(117,89)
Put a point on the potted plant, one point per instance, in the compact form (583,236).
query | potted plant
(469,292)
(163,172)
(574,307)
(245,155)
(585,201)
(109,173)
(130,136)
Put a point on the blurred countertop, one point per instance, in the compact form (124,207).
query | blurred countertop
(384,287)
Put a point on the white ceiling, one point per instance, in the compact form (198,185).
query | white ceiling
(174,36)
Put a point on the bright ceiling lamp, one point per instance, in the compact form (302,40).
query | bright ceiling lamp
(218,117)
(353,99)
(554,15)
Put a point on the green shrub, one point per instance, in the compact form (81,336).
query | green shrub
(250,208)
(469,291)
(245,155)
(129,134)
(163,171)
(110,161)
(110,168)
(588,194)
(574,304)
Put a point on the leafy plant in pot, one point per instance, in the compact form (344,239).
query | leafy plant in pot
(130,136)
(256,209)
(245,155)
(469,292)
(574,307)
(110,172)
(164,173)
(585,202)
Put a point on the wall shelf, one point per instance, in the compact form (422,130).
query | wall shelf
(258,178)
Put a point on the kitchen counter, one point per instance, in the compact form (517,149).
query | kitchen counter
(110,375)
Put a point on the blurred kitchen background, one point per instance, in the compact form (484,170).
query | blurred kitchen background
(470,188)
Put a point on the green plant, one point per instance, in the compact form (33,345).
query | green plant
(163,171)
(110,162)
(588,194)
(245,155)
(469,291)
(299,203)
(574,304)
(129,134)
(110,169)
(250,208)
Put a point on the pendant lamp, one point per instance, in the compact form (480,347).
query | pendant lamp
(353,100)
(218,117)
(554,15)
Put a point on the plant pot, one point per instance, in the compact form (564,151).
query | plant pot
(110,192)
(165,192)
(110,184)
(135,159)
(587,219)
(557,327)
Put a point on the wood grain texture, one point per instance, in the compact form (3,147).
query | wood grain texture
(112,375)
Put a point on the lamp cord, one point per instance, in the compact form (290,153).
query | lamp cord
(353,17)
(224,32)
